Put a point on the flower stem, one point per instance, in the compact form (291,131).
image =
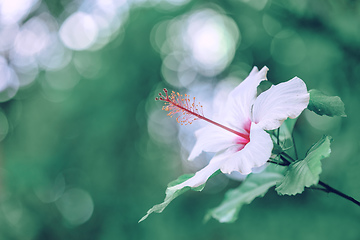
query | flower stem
(287,160)
(326,188)
(330,189)
(278,163)
(294,144)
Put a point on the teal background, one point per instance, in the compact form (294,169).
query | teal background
(97,139)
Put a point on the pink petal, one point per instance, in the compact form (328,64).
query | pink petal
(254,154)
(284,100)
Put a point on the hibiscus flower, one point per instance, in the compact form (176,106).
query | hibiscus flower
(239,138)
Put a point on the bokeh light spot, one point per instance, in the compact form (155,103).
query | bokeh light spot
(158,35)
(87,64)
(15,10)
(202,42)
(79,31)
(63,79)
(256,4)
(212,39)
(55,56)
(271,25)
(322,123)
(288,48)
(9,82)
(51,191)
(7,36)
(4,125)
(76,206)
(32,38)
(13,211)
(160,128)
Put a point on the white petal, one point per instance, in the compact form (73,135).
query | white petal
(254,154)
(284,100)
(202,176)
(212,139)
(240,100)
(237,176)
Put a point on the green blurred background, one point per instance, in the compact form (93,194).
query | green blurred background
(86,151)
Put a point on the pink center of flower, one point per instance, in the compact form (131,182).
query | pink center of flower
(241,141)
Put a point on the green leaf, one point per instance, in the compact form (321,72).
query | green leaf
(322,104)
(305,173)
(172,194)
(255,185)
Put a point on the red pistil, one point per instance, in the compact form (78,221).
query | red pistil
(189,111)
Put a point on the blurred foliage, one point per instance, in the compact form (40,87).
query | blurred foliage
(80,164)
